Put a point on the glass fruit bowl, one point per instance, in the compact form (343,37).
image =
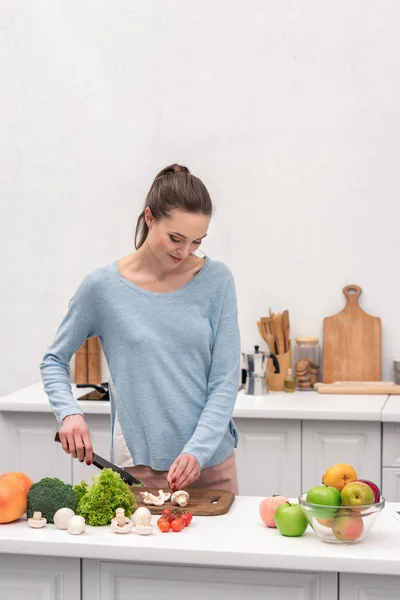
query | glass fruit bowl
(341,524)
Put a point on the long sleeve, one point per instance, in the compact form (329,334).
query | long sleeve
(223,383)
(71,334)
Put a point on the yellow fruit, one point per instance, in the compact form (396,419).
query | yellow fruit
(325,522)
(339,475)
(20,478)
(13,500)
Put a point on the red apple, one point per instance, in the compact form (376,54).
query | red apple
(374,488)
(268,508)
(348,527)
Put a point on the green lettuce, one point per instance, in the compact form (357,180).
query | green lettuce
(97,503)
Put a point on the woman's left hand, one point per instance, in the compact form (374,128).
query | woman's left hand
(184,471)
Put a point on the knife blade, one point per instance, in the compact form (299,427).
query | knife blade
(102,463)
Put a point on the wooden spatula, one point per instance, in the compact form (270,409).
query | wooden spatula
(286,329)
(278,331)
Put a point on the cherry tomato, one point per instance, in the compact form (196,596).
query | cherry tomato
(187,517)
(163,524)
(170,517)
(166,511)
(177,524)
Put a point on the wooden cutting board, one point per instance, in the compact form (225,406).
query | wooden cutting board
(351,343)
(202,502)
(386,390)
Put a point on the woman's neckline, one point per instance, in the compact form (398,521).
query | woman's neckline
(150,293)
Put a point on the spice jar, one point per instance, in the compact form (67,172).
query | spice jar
(307,362)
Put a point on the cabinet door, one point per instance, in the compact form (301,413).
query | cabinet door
(391,445)
(39,578)
(99,428)
(122,581)
(268,457)
(391,484)
(369,587)
(27,444)
(327,443)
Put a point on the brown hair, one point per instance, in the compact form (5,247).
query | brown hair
(173,187)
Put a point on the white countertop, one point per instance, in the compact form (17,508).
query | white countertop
(275,405)
(237,540)
(310,405)
(391,411)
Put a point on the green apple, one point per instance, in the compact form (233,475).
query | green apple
(326,496)
(357,493)
(323,494)
(290,520)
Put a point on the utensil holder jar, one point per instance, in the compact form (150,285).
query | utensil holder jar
(276,381)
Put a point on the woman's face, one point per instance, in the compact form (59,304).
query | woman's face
(173,239)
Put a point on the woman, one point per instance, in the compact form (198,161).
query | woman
(167,323)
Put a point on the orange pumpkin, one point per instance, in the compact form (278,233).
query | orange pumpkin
(13,500)
(20,478)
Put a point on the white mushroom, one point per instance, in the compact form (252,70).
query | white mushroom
(76,525)
(141,516)
(180,497)
(153,499)
(62,516)
(144,529)
(164,495)
(37,521)
(121,523)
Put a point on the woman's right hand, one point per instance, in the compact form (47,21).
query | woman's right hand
(75,438)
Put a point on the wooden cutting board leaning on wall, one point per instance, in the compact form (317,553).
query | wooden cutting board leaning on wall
(351,343)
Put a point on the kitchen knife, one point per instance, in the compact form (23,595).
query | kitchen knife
(102,463)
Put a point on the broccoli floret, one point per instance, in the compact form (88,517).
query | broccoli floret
(98,503)
(48,495)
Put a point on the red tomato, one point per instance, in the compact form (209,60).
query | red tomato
(170,517)
(187,517)
(166,511)
(163,524)
(177,524)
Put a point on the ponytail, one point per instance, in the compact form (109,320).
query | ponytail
(173,188)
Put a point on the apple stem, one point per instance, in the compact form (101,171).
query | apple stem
(288,503)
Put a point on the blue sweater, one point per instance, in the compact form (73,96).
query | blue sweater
(173,359)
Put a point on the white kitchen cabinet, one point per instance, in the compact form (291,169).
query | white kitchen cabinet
(104,580)
(99,427)
(27,444)
(369,587)
(391,445)
(391,484)
(268,457)
(325,443)
(39,578)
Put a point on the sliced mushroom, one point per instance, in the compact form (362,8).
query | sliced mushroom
(153,499)
(180,497)
(164,495)
(37,521)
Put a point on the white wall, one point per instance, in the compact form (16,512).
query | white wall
(288,110)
